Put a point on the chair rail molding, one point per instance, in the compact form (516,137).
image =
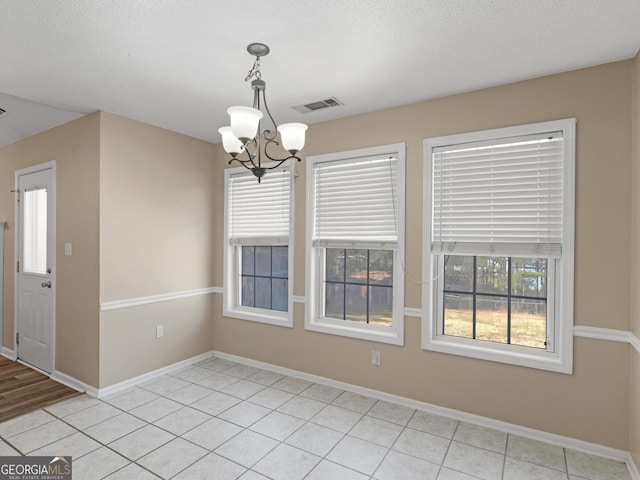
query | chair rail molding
(609,334)
(164,297)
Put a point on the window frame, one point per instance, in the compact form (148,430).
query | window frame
(558,356)
(232,265)
(316,254)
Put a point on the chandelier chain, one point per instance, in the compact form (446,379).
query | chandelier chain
(255,71)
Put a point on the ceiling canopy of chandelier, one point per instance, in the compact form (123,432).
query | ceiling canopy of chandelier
(242,140)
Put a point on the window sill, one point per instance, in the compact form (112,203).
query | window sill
(281,319)
(513,355)
(373,333)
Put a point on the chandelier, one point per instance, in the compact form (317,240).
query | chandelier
(242,140)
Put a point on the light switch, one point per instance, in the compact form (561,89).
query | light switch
(68,249)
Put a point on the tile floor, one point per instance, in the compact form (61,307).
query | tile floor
(222,420)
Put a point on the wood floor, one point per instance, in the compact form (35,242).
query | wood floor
(23,390)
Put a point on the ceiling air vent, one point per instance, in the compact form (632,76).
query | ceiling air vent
(313,106)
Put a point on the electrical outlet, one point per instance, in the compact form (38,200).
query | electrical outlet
(159,331)
(375,357)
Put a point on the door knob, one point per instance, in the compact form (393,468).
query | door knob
(46,284)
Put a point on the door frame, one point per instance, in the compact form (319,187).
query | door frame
(51,204)
(3,351)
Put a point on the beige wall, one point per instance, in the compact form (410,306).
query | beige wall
(593,403)
(634,399)
(157,217)
(143,208)
(137,203)
(75,148)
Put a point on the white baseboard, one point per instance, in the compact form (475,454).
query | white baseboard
(118,387)
(74,383)
(559,440)
(7,352)
(633,468)
(562,441)
(80,386)
(59,377)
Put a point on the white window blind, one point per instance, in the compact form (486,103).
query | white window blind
(356,200)
(499,195)
(259,212)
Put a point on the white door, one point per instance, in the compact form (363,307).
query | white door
(35,271)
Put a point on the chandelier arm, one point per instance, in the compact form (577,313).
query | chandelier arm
(273,122)
(258,152)
(266,149)
(241,162)
(280,162)
(250,156)
(256,143)
(274,159)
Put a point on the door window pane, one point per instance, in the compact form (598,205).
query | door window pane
(35,231)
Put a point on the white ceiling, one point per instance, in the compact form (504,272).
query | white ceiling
(179,64)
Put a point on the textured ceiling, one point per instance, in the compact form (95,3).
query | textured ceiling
(179,64)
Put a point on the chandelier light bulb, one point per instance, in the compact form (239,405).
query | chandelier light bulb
(230,142)
(244,122)
(292,136)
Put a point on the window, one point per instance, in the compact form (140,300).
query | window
(258,246)
(359,285)
(265,273)
(498,240)
(497,299)
(355,243)
(35,231)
